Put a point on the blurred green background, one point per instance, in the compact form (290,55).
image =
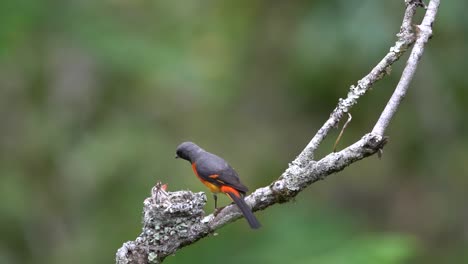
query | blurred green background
(96,95)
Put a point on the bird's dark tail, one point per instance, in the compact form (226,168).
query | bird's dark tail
(245,209)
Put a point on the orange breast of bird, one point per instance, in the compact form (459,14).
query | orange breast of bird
(213,188)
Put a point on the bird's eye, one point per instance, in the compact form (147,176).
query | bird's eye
(179,154)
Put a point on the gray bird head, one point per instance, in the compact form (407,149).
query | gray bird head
(188,151)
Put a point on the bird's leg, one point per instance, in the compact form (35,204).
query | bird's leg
(216,210)
(215,197)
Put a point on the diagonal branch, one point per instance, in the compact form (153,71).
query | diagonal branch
(424,34)
(172,220)
(404,41)
(296,179)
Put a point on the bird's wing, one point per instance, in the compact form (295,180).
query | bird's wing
(217,171)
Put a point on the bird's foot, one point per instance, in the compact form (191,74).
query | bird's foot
(218,210)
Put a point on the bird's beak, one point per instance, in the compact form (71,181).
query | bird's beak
(176,157)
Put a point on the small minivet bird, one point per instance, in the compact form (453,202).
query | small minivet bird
(218,176)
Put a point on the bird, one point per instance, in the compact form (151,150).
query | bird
(216,174)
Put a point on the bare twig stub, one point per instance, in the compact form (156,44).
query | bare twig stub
(172,220)
(350,117)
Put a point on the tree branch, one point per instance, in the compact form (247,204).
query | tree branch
(404,41)
(424,33)
(172,220)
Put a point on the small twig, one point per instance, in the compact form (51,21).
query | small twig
(424,34)
(341,132)
(159,191)
(380,153)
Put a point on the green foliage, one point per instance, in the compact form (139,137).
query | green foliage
(96,95)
